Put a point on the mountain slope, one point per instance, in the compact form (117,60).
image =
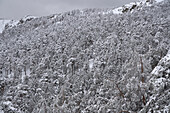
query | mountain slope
(160,82)
(86,61)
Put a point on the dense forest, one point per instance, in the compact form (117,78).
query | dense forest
(88,61)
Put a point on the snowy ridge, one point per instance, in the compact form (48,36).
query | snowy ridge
(131,6)
(12,23)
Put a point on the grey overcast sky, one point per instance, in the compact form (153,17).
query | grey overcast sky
(15,9)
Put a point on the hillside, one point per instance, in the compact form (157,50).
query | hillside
(88,61)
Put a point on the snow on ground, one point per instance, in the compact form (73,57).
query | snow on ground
(9,23)
(163,64)
(2,24)
(129,6)
(166,59)
(161,72)
(156,70)
(12,23)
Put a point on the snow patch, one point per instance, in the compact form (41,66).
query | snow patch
(166,60)
(28,71)
(2,24)
(162,65)
(12,23)
(117,10)
(159,82)
(23,75)
(28,17)
(58,23)
(62,75)
(91,63)
(9,104)
(81,11)
(129,7)
(157,70)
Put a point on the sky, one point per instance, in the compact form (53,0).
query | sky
(16,9)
